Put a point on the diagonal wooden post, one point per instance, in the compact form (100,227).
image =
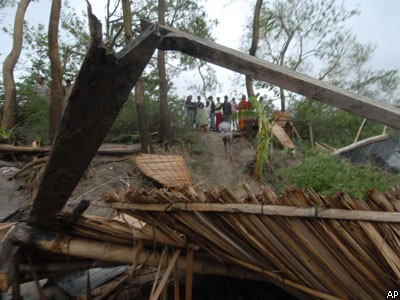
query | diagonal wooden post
(103,85)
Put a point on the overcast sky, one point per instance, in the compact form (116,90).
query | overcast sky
(378,23)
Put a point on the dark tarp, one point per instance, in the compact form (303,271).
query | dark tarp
(384,153)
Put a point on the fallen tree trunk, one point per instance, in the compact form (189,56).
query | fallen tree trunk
(277,75)
(103,150)
(103,85)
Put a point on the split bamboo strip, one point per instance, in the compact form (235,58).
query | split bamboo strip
(289,260)
(333,269)
(383,248)
(206,244)
(153,288)
(271,210)
(102,229)
(276,278)
(339,261)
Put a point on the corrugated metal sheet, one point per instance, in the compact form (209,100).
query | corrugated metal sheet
(76,284)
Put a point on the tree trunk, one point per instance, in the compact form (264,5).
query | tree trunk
(282,63)
(254,45)
(126,11)
(165,129)
(143,122)
(56,88)
(10,95)
(283,99)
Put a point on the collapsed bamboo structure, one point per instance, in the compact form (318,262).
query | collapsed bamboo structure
(342,249)
(346,253)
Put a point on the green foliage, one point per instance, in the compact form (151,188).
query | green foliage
(312,37)
(34,119)
(7,135)
(74,41)
(7,3)
(328,174)
(263,137)
(334,127)
(125,127)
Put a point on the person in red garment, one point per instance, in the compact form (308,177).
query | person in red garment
(243,107)
(218,113)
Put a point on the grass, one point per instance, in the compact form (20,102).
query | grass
(328,174)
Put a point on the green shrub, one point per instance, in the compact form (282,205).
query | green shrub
(34,119)
(332,126)
(328,174)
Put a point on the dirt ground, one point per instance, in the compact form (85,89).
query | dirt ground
(203,154)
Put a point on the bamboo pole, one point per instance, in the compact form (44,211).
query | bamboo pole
(361,143)
(49,242)
(270,210)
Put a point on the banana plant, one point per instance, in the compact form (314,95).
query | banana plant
(263,137)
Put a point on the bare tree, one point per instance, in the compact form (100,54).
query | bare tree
(10,97)
(56,88)
(143,122)
(254,44)
(165,123)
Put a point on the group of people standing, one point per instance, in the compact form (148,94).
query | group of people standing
(41,88)
(211,114)
(219,116)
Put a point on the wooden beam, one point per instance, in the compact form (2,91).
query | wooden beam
(274,74)
(102,87)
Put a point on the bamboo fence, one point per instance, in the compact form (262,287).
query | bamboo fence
(323,247)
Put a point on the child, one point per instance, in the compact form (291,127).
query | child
(226,134)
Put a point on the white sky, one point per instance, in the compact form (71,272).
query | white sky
(379,23)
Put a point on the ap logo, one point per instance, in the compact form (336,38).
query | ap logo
(392,294)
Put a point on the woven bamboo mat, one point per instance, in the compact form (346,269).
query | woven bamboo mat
(169,170)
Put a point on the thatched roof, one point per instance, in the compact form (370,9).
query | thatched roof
(340,250)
